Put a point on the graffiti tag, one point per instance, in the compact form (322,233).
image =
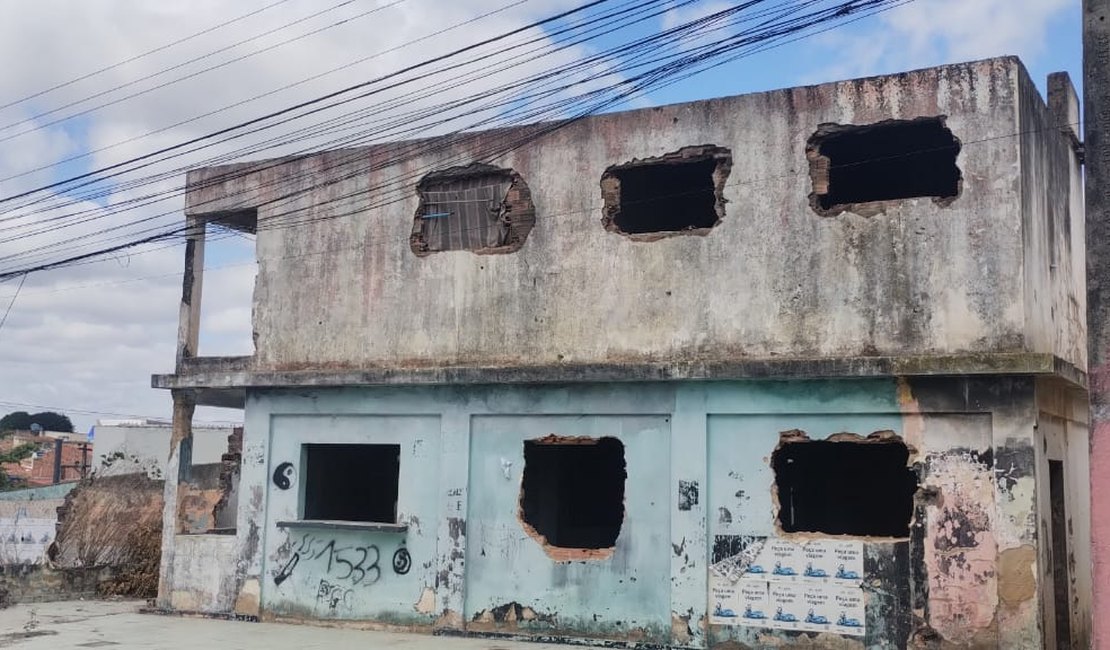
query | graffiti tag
(358,565)
(402,561)
(333,595)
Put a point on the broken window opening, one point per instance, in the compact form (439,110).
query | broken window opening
(678,193)
(857,487)
(572,491)
(351,482)
(886,161)
(220,318)
(478,208)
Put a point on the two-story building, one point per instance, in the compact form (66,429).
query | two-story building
(796,367)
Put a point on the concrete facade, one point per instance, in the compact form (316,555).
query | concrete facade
(28,522)
(142,446)
(949,327)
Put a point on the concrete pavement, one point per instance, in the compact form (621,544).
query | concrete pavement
(119,626)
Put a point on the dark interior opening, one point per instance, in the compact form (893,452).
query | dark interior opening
(845,488)
(888,161)
(351,482)
(1060,579)
(667,196)
(572,491)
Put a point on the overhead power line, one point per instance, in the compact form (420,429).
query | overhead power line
(593,208)
(42,125)
(305,104)
(129,416)
(294,84)
(777,26)
(119,64)
(12,301)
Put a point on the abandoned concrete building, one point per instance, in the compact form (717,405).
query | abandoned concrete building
(795,368)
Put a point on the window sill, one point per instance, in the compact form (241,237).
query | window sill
(328,524)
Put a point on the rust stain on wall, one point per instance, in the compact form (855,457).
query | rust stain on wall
(913,423)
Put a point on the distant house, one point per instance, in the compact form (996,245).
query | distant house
(58,457)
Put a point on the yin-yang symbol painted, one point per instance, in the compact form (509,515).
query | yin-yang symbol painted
(284,476)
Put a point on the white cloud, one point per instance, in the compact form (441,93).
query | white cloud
(90,336)
(933,32)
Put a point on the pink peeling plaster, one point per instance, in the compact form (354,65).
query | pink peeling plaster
(960,549)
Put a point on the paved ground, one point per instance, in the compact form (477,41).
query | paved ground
(120,626)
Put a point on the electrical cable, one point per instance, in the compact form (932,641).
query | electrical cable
(662,73)
(43,125)
(11,303)
(147,53)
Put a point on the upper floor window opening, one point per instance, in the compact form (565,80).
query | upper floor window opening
(477,208)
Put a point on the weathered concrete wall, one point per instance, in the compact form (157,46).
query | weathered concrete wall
(27,583)
(27,529)
(204,575)
(618,597)
(1063,436)
(343,288)
(28,519)
(969,574)
(322,573)
(134,449)
(1052,223)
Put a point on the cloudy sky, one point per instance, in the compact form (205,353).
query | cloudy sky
(91,84)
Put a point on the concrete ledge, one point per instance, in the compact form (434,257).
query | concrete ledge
(212,376)
(324,524)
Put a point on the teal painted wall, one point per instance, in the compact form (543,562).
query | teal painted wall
(505,565)
(691,450)
(351,574)
(56,491)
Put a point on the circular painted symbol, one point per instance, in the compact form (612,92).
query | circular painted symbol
(284,476)
(402,562)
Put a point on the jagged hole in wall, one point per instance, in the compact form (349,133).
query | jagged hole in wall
(478,208)
(890,160)
(860,487)
(572,491)
(680,192)
(351,482)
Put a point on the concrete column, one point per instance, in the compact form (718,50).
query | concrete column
(453,476)
(1096,144)
(689,465)
(188,327)
(184,404)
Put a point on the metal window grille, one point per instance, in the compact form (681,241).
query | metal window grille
(465,214)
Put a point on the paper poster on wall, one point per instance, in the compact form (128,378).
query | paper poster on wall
(773,583)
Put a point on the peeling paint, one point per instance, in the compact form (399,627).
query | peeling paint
(960,548)
(427,602)
(1017,581)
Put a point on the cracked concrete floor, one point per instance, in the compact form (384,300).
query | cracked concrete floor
(118,625)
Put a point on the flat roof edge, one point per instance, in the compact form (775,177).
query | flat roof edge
(209,375)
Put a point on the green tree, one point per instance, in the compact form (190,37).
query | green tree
(48,420)
(16,421)
(51,421)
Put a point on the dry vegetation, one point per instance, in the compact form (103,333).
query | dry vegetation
(114,521)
